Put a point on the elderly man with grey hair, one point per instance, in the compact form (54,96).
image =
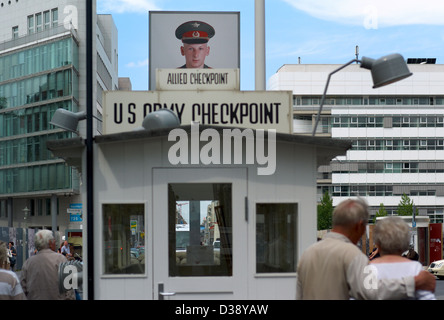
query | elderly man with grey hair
(335,268)
(392,238)
(39,276)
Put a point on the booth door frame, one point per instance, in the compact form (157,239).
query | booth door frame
(195,287)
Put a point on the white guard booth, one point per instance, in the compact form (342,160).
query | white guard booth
(206,229)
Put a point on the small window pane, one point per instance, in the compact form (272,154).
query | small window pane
(276,237)
(123,236)
(200,229)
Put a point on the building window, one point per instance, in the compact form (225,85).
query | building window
(46,20)
(31,24)
(276,237)
(123,238)
(3,209)
(38,22)
(15,32)
(406,144)
(55,17)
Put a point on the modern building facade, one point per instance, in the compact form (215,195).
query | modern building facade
(397,132)
(43,68)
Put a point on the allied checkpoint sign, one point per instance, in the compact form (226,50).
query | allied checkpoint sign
(197,79)
(125,110)
(167,49)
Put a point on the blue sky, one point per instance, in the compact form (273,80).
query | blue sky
(317,31)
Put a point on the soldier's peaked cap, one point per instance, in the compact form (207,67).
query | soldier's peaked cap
(195,32)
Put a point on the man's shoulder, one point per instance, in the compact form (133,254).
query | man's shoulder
(334,243)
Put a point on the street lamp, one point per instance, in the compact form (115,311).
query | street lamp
(385,70)
(67,120)
(160,119)
(26,213)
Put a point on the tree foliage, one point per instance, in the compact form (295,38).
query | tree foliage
(325,212)
(405,206)
(380,213)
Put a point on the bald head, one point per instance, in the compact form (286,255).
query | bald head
(350,212)
(350,218)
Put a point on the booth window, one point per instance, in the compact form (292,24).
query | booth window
(124,238)
(200,229)
(276,237)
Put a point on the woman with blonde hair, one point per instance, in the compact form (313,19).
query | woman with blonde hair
(392,238)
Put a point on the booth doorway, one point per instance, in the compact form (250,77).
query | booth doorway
(199,233)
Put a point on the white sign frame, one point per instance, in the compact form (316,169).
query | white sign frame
(125,110)
(164,47)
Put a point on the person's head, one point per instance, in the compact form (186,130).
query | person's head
(65,243)
(2,254)
(391,236)
(11,244)
(195,36)
(44,239)
(195,54)
(350,218)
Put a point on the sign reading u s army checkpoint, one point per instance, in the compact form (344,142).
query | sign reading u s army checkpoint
(125,110)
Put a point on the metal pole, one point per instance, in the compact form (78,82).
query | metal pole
(9,210)
(89,148)
(259,13)
(54,213)
(325,93)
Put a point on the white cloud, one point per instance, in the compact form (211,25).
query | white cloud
(137,64)
(123,6)
(374,13)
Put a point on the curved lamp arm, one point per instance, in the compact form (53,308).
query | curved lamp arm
(325,92)
(385,70)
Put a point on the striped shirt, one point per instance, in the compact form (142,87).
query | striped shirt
(10,288)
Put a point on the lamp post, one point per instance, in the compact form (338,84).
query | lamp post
(90,33)
(25,216)
(385,70)
(26,212)
(259,36)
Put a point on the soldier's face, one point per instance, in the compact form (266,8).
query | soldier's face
(195,54)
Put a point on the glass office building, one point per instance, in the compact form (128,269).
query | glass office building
(34,83)
(42,69)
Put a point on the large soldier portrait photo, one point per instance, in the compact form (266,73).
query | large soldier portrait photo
(193,40)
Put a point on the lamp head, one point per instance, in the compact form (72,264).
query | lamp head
(67,120)
(161,119)
(387,69)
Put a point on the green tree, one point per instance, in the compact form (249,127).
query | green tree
(325,212)
(405,206)
(380,213)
